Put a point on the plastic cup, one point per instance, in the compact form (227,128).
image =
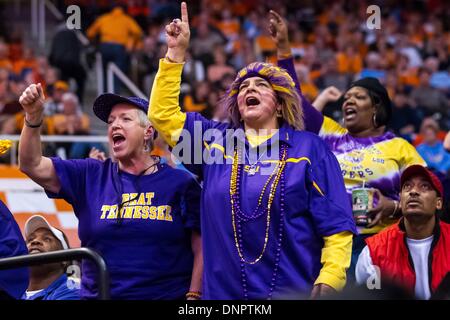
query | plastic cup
(362,202)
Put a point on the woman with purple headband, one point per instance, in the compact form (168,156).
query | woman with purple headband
(273,221)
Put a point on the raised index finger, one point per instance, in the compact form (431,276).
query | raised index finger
(184,13)
(275,15)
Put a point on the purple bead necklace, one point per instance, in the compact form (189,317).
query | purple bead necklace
(239,217)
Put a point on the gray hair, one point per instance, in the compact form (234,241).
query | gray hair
(144,122)
(143,119)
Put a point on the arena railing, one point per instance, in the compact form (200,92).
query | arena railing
(39,23)
(51,138)
(111,71)
(64,255)
(38,32)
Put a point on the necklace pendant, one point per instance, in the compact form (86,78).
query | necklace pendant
(252,171)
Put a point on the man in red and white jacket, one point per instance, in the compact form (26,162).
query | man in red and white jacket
(415,252)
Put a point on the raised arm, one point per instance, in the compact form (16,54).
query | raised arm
(164,111)
(279,32)
(329,94)
(31,162)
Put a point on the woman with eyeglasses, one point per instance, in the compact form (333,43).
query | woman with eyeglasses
(140,215)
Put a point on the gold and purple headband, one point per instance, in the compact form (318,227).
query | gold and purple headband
(278,78)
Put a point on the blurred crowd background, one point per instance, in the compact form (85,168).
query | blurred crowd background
(331,43)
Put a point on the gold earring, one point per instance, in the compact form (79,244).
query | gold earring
(146,147)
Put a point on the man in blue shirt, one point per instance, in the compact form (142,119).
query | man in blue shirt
(48,281)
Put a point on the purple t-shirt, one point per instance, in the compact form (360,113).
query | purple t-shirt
(148,253)
(13,281)
(314,206)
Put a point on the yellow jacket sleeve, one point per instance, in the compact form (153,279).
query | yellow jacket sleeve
(164,111)
(336,256)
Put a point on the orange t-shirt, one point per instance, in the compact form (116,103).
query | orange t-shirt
(348,64)
(265,43)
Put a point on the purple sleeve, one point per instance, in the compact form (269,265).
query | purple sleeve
(72,178)
(329,203)
(12,281)
(190,146)
(313,118)
(191,204)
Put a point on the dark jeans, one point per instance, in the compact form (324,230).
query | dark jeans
(76,72)
(116,53)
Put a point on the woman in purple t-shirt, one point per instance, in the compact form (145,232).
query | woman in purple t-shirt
(140,215)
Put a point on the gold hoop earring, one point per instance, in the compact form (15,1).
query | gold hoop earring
(146,147)
(374,120)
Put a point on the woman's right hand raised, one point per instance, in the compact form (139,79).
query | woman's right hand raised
(278,30)
(177,35)
(32,101)
(330,94)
